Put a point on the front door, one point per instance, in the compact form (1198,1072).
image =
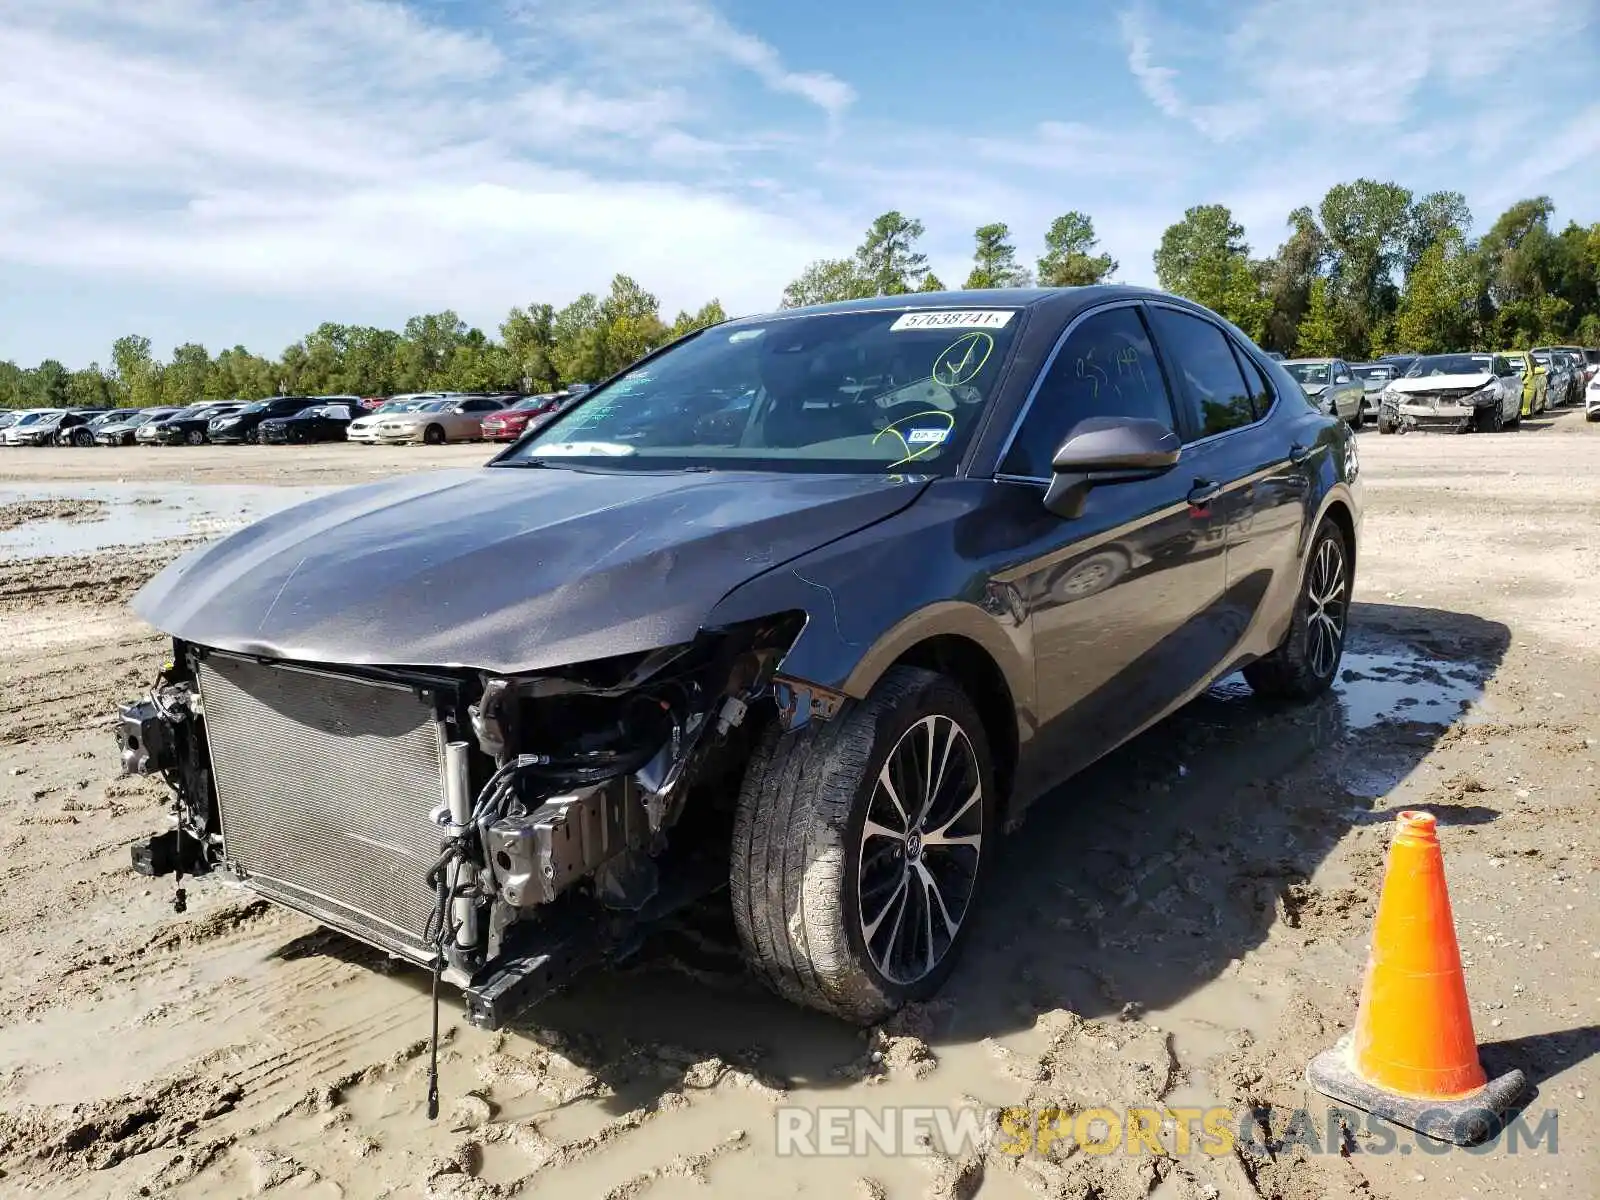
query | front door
(1124,599)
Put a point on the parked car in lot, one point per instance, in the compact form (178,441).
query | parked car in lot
(1558,374)
(244,424)
(321,423)
(818,657)
(1453,391)
(362,428)
(1330,383)
(1535,383)
(79,426)
(8,418)
(1591,399)
(1374,377)
(122,430)
(52,427)
(1566,373)
(1591,363)
(1400,362)
(435,422)
(26,428)
(188,426)
(508,424)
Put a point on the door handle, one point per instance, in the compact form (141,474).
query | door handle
(1203,493)
(1298,453)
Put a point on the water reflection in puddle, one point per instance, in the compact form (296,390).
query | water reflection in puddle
(138,514)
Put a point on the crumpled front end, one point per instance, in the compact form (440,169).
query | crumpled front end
(506,830)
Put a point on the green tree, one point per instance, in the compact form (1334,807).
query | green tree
(1370,226)
(888,258)
(633,323)
(137,374)
(184,380)
(826,281)
(580,337)
(91,388)
(1205,257)
(1287,279)
(529,336)
(1069,259)
(994,260)
(931,283)
(709,314)
(49,385)
(1318,336)
(1436,309)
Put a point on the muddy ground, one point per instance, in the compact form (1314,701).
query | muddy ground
(1185,925)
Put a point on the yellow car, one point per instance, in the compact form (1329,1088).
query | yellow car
(1535,387)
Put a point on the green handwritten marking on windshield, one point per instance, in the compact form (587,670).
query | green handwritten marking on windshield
(962,359)
(923,450)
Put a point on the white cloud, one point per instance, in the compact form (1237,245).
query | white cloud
(1359,64)
(317,148)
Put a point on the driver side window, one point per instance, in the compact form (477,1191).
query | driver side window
(1106,368)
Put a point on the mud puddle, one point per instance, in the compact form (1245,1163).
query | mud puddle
(57,520)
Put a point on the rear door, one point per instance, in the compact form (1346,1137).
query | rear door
(1261,460)
(1123,600)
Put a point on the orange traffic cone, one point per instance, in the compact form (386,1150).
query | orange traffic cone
(1413,1059)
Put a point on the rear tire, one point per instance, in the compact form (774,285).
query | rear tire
(1307,661)
(852,889)
(82,437)
(252,436)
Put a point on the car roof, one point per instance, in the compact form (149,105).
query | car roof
(1072,299)
(1321,362)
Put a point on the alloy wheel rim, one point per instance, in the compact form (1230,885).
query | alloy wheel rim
(921,844)
(1327,604)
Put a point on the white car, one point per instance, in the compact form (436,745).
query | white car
(1591,399)
(1453,391)
(435,422)
(25,429)
(364,428)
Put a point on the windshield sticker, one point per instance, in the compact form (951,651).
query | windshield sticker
(991,318)
(962,359)
(598,449)
(920,434)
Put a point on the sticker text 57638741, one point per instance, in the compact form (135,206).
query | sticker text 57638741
(979,318)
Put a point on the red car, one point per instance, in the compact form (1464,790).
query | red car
(508,424)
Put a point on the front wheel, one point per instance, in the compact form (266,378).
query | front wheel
(857,848)
(1386,423)
(82,437)
(252,436)
(1490,420)
(195,437)
(1307,660)
(433,435)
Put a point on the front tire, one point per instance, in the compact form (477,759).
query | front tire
(433,435)
(82,437)
(1386,423)
(857,847)
(1307,660)
(195,437)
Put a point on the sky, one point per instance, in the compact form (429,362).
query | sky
(238,171)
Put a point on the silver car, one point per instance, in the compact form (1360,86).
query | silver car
(1332,387)
(454,419)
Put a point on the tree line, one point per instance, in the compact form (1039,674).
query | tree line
(540,348)
(1373,269)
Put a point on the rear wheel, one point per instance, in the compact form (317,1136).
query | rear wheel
(1307,660)
(82,437)
(252,435)
(857,846)
(433,435)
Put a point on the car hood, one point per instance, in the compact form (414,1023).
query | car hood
(1437,383)
(504,569)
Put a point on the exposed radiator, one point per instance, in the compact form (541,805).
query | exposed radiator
(325,785)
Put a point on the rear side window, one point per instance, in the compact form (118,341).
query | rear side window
(482,406)
(1106,368)
(1256,382)
(1206,373)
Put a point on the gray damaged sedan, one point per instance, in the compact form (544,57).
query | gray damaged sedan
(802,608)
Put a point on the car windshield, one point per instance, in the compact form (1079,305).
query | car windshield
(433,405)
(1449,364)
(528,402)
(1592,356)
(1308,372)
(1542,359)
(845,391)
(34,418)
(1517,361)
(1373,372)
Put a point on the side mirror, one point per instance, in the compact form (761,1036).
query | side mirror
(1103,450)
